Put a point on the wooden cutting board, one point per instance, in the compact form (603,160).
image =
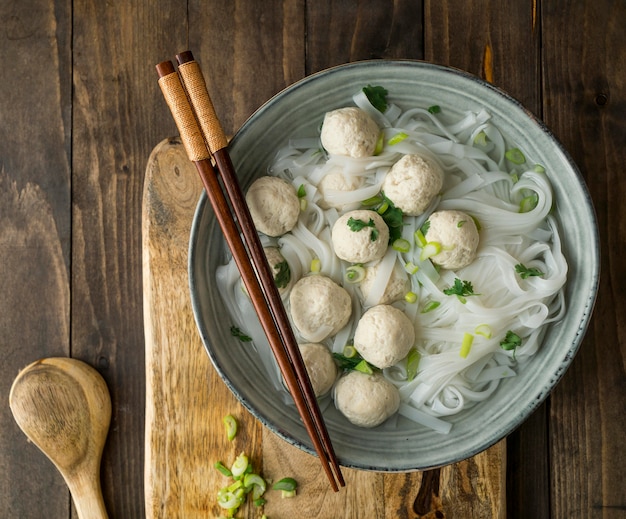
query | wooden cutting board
(186,401)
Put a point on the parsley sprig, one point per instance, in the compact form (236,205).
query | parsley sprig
(236,332)
(526,272)
(511,342)
(390,214)
(356,225)
(377,95)
(461,289)
(283,276)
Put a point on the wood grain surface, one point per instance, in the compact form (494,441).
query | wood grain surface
(186,401)
(80,113)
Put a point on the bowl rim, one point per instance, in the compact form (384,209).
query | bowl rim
(594,258)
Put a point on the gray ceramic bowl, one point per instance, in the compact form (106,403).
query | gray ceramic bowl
(297,111)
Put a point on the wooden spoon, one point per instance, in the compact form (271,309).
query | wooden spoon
(64,407)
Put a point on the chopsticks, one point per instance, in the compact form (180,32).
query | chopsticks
(202,135)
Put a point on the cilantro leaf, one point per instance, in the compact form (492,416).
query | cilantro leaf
(236,332)
(377,95)
(357,225)
(425,226)
(461,289)
(511,342)
(391,215)
(283,276)
(355,363)
(526,272)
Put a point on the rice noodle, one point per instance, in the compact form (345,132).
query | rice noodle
(478,180)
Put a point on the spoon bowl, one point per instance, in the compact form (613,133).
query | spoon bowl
(64,407)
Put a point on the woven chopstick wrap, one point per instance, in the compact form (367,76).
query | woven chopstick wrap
(190,133)
(196,88)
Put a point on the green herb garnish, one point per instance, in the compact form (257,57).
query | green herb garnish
(301,191)
(526,272)
(425,226)
(511,342)
(283,276)
(376,95)
(236,332)
(515,156)
(434,109)
(390,214)
(357,225)
(461,289)
(353,363)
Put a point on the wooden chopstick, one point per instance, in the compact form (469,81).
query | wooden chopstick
(203,138)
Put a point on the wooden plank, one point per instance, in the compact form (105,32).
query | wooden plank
(341,32)
(118,116)
(34,231)
(585,105)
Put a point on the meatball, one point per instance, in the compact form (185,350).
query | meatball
(366,400)
(350,132)
(274,205)
(360,236)
(457,234)
(384,336)
(320,366)
(412,183)
(335,180)
(319,307)
(397,286)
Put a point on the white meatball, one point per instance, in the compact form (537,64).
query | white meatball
(350,132)
(384,336)
(396,288)
(274,205)
(335,180)
(360,236)
(320,366)
(457,234)
(366,400)
(412,183)
(319,307)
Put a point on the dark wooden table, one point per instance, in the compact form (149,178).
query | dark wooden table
(80,111)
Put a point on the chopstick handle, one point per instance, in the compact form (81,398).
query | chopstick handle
(198,93)
(176,99)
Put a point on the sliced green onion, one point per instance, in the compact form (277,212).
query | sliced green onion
(286,484)
(515,177)
(430,306)
(364,367)
(349,351)
(228,500)
(484,330)
(354,274)
(380,144)
(411,267)
(256,483)
(397,138)
(432,248)
(401,245)
(410,297)
(515,156)
(466,345)
(383,207)
(316,265)
(303,204)
(539,168)
(528,203)
(369,202)
(223,469)
(419,238)
(231,426)
(239,465)
(412,363)
(480,138)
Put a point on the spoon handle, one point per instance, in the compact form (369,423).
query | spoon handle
(87,495)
